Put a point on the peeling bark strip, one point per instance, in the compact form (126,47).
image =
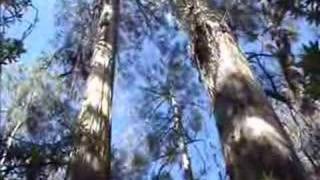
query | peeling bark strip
(255,144)
(92,156)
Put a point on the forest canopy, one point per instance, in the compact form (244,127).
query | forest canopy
(160,89)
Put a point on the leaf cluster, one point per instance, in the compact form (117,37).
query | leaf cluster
(10,50)
(311,66)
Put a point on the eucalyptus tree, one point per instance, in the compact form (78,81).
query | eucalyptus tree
(243,112)
(248,125)
(284,37)
(93,138)
(249,128)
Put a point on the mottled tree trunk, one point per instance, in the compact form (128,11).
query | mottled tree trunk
(302,108)
(182,142)
(254,142)
(92,158)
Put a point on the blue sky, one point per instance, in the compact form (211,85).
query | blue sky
(39,40)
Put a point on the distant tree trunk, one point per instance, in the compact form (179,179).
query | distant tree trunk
(92,158)
(182,143)
(255,144)
(9,142)
(303,108)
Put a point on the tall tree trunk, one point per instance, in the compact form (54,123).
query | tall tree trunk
(182,143)
(92,158)
(255,144)
(303,109)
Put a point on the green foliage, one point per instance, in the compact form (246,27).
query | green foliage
(196,123)
(311,66)
(35,97)
(11,12)
(139,160)
(163,176)
(171,153)
(266,176)
(310,9)
(153,144)
(10,50)
(35,156)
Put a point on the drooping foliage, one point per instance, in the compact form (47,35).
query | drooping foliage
(36,138)
(12,12)
(311,67)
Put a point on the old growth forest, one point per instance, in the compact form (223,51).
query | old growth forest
(160,89)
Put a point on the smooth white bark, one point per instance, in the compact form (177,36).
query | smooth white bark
(92,157)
